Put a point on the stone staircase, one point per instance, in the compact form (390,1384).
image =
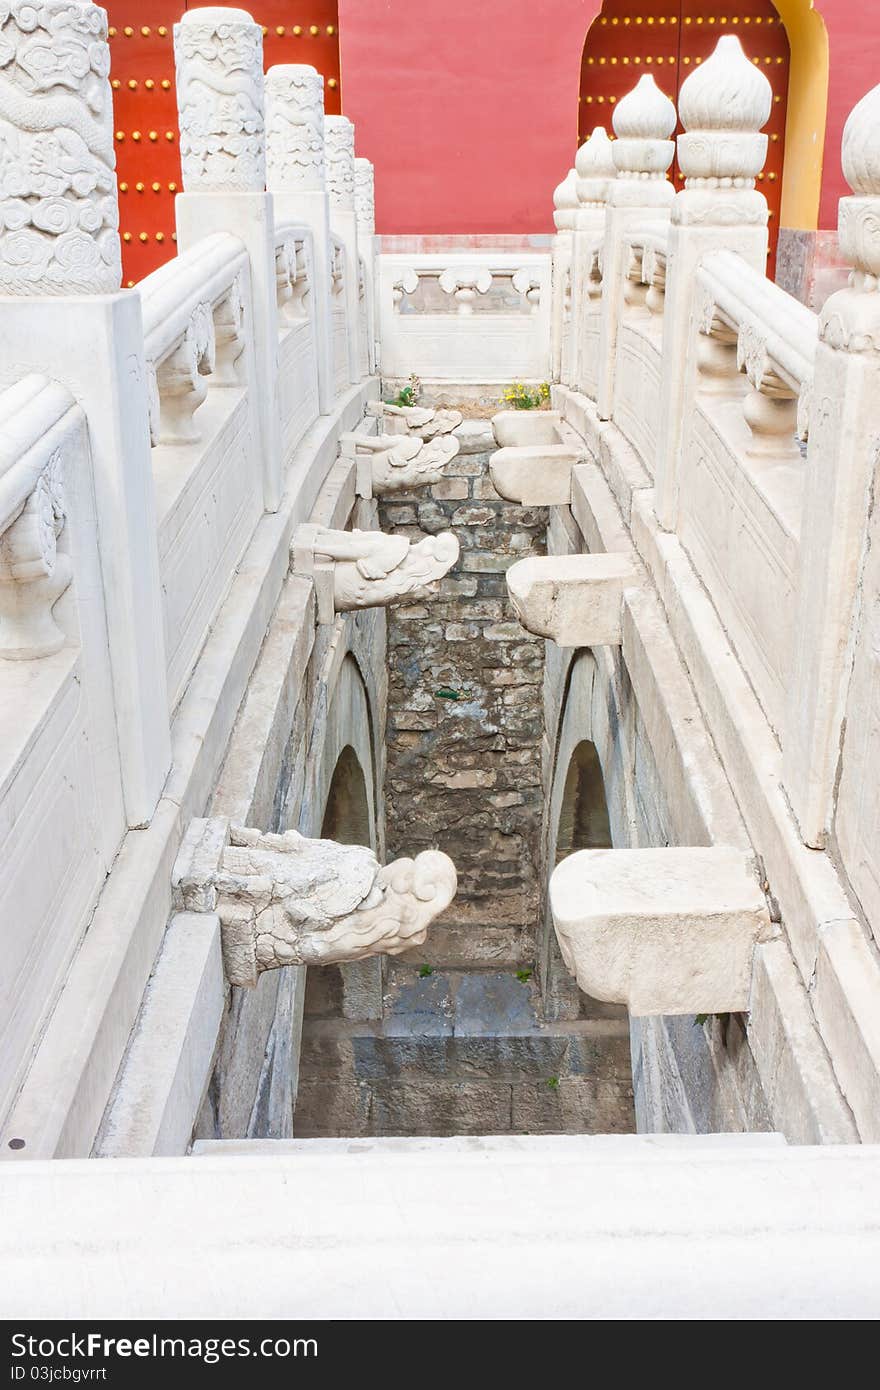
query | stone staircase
(461,1052)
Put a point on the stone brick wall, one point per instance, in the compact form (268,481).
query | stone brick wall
(464,1044)
(465,716)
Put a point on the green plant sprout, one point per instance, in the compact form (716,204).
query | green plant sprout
(408,395)
(521,398)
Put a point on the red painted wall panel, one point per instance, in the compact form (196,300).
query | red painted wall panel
(468,108)
(854,58)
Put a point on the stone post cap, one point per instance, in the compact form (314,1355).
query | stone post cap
(594,166)
(565,201)
(860,151)
(291,72)
(859,223)
(643,122)
(723,104)
(216,15)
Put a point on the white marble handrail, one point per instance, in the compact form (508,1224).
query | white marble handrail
(37,419)
(337,263)
(293,262)
(29,411)
(171,293)
(777,335)
(193,309)
(647,267)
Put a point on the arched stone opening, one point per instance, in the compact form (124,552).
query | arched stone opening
(344,809)
(349,758)
(347,812)
(584,822)
(590,807)
(668,38)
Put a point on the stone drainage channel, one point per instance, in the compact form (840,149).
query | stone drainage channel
(464,1044)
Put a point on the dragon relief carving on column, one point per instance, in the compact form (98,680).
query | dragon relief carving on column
(59,216)
(339,149)
(295,129)
(218,54)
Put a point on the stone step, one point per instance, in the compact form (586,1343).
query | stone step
(617,1146)
(371,1052)
(404,1106)
(538,1229)
(463,1053)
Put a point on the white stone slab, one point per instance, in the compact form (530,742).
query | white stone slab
(518,427)
(572,1228)
(168,1065)
(575,600)
(664,931)
(535,475)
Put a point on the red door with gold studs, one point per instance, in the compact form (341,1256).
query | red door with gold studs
(145,109)
(668,38)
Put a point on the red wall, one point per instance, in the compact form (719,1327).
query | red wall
(854,57)
(468,108)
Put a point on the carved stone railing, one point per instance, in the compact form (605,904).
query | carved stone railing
(293,271)
(298,337)
(38,419)
(340,327)
(194,311)
(135,470)
(646,275)
(775,338)
(479,316)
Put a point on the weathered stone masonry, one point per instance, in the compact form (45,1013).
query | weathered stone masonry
(465,1049)
(465,716)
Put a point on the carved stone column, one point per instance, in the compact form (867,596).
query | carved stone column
(288,900)
(364,198)
(638,198)
(339,134)
(59,208)
(218,55)
(62,310)
(722,105)
(365,216)
(297,180)
(840,479)
(596,170)
(561,326)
